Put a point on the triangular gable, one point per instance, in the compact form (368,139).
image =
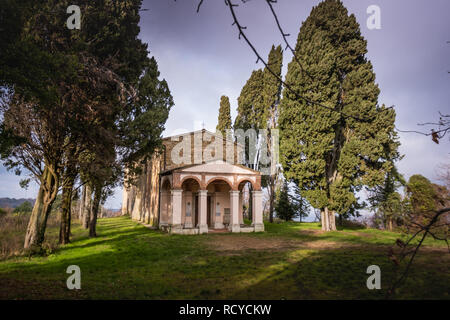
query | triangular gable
(219,166)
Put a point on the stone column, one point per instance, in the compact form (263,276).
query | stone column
(176,209)
(164,208)
(234,214)
(202,217)
(241,210)
(258,223)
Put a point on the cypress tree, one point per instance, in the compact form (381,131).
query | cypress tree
(224,121)
(271,91)
(386,201)
(260,96)
(269,116)
(249,102)
(332,152)
(258,109)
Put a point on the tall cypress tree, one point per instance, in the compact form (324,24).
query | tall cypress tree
(333,152)
(249,101)
(271,91)
(260,96)
(258,109)
(269,118)
(224,121)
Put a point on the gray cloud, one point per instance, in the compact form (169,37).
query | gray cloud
(201,58)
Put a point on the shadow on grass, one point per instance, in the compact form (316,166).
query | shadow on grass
(341,274)
(129,261)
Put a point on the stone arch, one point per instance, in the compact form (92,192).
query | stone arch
(166,183)
(190,186)
(249,180)
(219,178)
(186,178)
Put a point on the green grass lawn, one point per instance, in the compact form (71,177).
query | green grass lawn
(288,261)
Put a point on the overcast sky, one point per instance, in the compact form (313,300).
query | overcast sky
(201,57)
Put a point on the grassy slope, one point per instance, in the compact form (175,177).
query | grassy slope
(290,260)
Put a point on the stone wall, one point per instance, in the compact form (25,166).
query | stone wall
(202,149)
(141,201)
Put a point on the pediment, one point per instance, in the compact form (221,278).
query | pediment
(220,166)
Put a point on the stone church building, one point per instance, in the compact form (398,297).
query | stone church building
(194,185)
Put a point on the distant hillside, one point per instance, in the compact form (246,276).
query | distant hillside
(13,203)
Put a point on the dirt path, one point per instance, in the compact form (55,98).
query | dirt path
(235,244)
(242,243)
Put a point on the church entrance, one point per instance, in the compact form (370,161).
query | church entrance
(196,210)
(208,210)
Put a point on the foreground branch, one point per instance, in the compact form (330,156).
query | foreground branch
(405,252)
(287,86)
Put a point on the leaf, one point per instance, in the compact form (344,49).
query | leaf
(435,137)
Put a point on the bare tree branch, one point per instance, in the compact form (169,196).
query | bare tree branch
(404,253)
(285,35)
(242,34)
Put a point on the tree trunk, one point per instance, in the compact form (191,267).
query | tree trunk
(390,223)
(271,187)
(38,221)
(87,207)
(332,220)
(323,220)
(64,230)
(328,220)
(81,202)
(94,213)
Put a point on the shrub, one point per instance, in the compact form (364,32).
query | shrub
(25,207)
(12,234)
(284,207)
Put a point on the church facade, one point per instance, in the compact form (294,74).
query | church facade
(195,185)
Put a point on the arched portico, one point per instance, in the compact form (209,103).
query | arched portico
(209,197)
(218,203)
(190,202)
